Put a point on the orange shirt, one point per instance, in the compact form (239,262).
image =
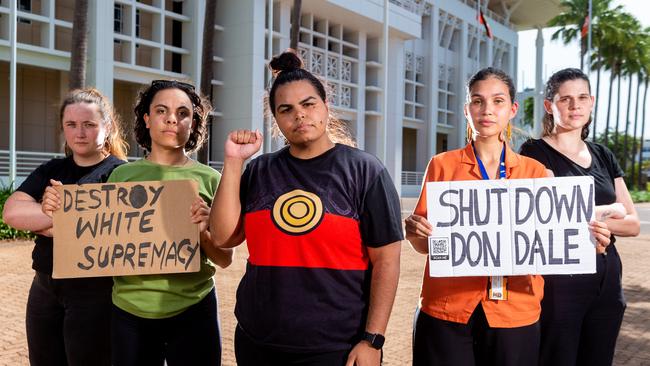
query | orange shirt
(455,298)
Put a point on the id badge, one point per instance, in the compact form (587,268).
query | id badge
(498,288)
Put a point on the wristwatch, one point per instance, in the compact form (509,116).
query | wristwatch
(376,340)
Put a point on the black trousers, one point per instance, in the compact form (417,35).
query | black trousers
(582,315)
(68,321)
(248,353)
(439,342)
(189,338)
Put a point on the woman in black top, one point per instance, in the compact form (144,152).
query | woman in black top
(68,320)
(582,314)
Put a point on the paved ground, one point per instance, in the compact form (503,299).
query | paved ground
(633,344)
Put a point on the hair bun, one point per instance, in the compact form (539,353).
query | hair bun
(286,61)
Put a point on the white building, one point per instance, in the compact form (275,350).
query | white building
(403,105)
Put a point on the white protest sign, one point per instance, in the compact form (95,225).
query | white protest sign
(511,227)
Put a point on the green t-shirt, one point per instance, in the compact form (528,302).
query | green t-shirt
(166,295)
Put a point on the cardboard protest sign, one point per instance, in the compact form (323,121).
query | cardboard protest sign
(511,227)
(135,228)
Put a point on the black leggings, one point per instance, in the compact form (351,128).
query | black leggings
(440,342)
(249,353)
(189,338)
(69,321)
(582,315)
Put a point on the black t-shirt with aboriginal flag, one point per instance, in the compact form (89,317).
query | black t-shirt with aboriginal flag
(308,224)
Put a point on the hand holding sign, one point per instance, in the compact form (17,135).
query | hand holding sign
(601,234)
(200,212)
(418,226)
(51,200)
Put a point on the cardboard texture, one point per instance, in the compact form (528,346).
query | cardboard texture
(511,227)
(134,228)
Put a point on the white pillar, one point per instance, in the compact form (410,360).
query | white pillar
(243,67)
(193,36)
(99,71)
(12,95)
(463,69)
(361,93)
(539,83)
(431,36)
(394,111)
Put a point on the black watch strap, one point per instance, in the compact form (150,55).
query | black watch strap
(376,340)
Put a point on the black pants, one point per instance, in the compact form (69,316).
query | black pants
(68,321)
(440,342)
(248,353)
(189,338)
(582,315)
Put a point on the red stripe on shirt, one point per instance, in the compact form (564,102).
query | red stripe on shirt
(335,243)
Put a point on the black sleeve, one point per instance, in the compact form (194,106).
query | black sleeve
(37,181)
(381,216)
(612,163)
(532,149)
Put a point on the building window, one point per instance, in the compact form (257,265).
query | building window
(25,5)
(118,19)
(137,23)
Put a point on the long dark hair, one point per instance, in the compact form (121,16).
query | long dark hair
(287,67)
(200,109)
(552,86)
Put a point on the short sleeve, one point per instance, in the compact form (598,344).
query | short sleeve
(421,205)
(37,181)
(244,185)
(381,216)
(613,165)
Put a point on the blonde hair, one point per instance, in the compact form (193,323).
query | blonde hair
(114,143)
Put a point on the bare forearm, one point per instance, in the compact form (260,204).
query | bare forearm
(627,226)
(385,277)
(218,256)
(225,214)
(23,214)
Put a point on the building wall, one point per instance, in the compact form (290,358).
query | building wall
(403,111)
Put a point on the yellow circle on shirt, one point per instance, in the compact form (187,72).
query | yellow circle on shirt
(297,212)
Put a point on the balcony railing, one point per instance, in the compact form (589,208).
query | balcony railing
(412,178)
(27,161)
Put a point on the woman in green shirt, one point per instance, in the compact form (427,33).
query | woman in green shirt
(170,317)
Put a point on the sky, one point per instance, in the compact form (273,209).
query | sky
(558,56)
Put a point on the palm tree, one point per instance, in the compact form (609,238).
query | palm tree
(573,18)
(295,24)
(646,73)
(644,67)
(79,45)
(633,67)
(207,61)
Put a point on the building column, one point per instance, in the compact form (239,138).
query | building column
(394,110)
(361,93)
(194,37)
(463,68)
(99,71)
(431,35)
(243,67)
(539,84)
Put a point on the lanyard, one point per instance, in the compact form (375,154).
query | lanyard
(498,284)
(502,165)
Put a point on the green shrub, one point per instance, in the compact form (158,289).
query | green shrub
(640,196)
(6,231)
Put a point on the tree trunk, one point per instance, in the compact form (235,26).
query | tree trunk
(597,93)
(627,121)
(636,123)
(78,55)
(618,113)
(295,24)
(207,60)
(645,94)
(609,104)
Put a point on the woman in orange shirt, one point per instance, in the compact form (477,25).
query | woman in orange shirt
(458,323)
